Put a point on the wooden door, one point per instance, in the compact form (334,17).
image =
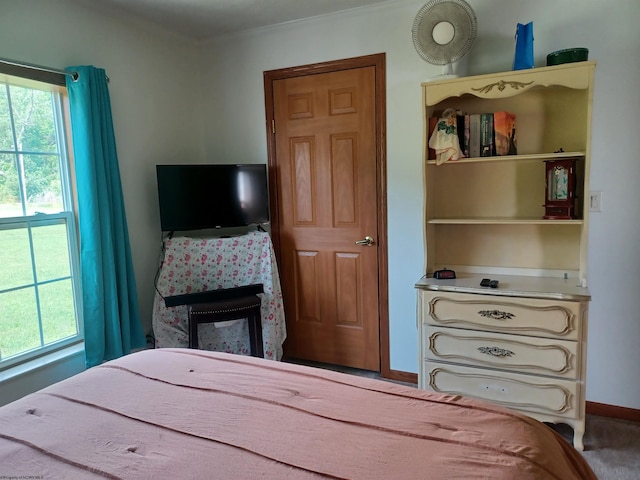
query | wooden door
(327,164)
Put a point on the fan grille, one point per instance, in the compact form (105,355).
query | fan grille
(456,12)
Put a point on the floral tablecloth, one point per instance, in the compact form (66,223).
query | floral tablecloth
(194,265)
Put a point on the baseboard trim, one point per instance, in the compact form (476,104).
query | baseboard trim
(613,411)
(400,376)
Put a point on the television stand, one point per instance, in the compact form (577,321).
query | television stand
(194,268)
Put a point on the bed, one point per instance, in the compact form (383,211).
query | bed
(180,414)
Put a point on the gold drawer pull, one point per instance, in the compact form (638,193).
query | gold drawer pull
(496,352)
(496,314)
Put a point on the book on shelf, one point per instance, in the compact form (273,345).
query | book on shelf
(465,150)
(504,125)
(482,134)
(474,135)
(433,121)
(460,131)
(487,143)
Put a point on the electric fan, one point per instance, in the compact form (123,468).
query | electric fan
(443,32)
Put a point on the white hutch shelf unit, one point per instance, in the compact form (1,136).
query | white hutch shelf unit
(523,344)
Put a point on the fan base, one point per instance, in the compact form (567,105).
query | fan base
(442,76)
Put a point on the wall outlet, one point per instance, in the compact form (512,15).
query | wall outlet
(595,201)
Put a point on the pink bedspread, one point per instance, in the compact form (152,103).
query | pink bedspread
(183,414)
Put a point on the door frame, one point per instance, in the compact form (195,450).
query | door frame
(379,62)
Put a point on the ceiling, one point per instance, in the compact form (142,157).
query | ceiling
(201,19)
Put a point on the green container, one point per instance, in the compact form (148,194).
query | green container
(567,56)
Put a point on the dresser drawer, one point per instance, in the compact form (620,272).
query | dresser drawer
(525,316)
(535,355)
(521,392)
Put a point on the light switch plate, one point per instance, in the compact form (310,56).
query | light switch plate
(595,201)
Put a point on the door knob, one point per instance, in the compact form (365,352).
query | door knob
(368,241)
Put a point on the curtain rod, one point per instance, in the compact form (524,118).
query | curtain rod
(73,75)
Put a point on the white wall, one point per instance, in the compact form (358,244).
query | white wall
(156,95)
(155,90)
(234,122)
(154,86)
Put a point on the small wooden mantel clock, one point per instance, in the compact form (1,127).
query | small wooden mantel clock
(560,186)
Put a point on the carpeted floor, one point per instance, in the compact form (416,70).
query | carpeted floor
(612,446)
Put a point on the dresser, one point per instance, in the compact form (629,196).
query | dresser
(522,347)
(520,218)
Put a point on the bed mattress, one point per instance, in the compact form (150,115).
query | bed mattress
(182,414)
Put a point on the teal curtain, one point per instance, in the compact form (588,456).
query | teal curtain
(112,326)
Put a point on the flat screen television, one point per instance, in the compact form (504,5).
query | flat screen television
(204,196)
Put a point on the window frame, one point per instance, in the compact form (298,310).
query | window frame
(68,217)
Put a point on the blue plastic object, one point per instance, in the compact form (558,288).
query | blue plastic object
(524,47)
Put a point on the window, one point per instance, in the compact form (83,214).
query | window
(39,274)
